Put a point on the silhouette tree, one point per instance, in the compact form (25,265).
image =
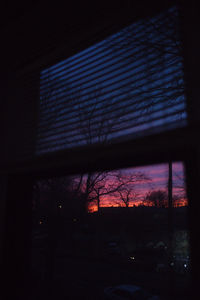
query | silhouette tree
(179,184)
(157,198)
(94,186)
(126,186)
(157,91)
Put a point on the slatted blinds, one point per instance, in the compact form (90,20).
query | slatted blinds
(128,85)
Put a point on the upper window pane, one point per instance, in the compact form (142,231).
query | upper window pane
(129,84)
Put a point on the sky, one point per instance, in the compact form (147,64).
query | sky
(158,180)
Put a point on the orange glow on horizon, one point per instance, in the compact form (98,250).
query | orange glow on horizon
(92,207)
(158,175)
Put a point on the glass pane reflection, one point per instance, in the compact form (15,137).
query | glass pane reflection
(101,234)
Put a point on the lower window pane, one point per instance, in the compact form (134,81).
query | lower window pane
(120,234)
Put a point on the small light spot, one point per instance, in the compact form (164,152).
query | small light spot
(40,222)
(60,206)
(74,220)
(132,257)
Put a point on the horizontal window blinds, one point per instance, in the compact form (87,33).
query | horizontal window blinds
(128,85)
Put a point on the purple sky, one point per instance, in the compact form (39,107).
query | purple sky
(158,175)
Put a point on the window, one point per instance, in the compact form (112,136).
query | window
(127,92)
(118,227)
(128,85)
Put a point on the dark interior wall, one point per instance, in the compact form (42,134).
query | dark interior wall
(37,30)
(16,254)
(191,43)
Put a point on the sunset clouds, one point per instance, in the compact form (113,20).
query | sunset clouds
(157,176)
